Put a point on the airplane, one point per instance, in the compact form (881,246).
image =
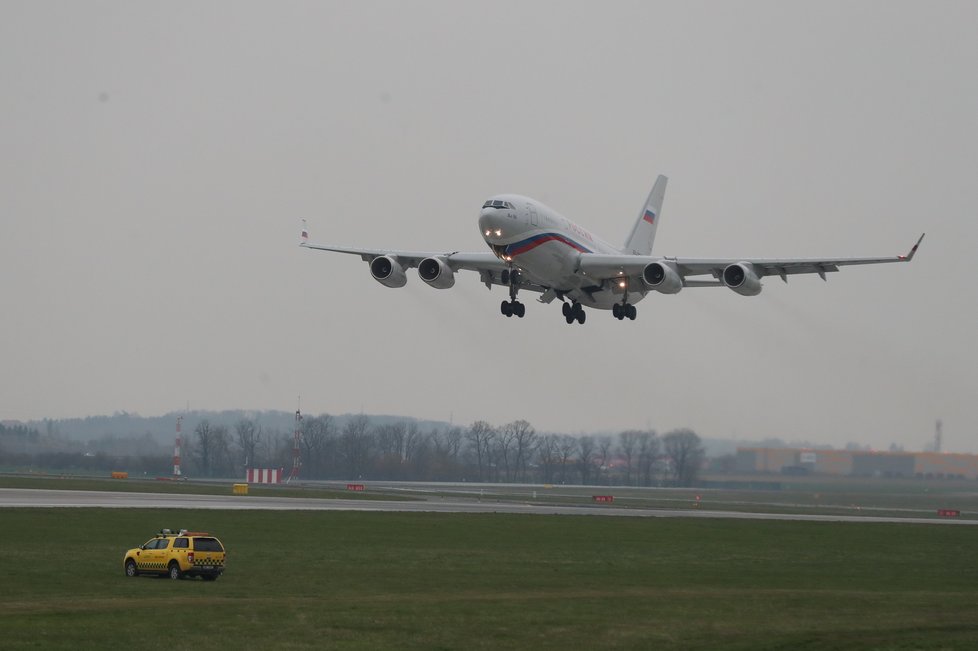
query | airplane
(534,248)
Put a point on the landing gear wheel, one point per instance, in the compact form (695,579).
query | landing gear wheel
(616,311)
(174,572)
(131,568)
(506,308)
(519,309)
(631,312)
(573,313)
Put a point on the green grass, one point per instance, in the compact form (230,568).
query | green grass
(341,580)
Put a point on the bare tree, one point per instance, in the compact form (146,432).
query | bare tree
(213,447)
(627,443)
(480,435)
(685,453)
(648,452)
(451,439)
(390,441)
(248,434)
(566,447)
(357,445)
(604,454)
(504,452)
(585,457)
(548,453)
(524,439)
(443,464)
(415,441)
(316,442)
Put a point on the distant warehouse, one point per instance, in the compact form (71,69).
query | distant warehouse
(858,463)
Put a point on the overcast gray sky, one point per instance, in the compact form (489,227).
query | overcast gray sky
(155,160)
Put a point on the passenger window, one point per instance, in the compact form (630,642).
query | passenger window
(163,543)
(181,543)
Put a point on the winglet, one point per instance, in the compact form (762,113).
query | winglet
(913,251)
(304,235)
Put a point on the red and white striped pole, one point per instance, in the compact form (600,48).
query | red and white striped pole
(176,450)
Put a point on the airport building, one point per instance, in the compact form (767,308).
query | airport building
(857,463)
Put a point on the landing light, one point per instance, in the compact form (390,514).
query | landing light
(488,232)
(498,233)
(622,283)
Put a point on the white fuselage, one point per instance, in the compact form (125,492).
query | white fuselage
(547,247)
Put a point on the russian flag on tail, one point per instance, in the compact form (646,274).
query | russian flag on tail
(649,216)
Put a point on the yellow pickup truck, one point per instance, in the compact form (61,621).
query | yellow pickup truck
(177,554)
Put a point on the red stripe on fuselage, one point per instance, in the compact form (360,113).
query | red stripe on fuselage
(543,239)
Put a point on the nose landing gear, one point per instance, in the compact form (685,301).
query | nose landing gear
(512,307)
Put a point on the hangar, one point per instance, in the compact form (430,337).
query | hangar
(857,463)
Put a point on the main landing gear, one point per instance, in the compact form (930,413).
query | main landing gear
(623,310)
(573,312)
(512,308)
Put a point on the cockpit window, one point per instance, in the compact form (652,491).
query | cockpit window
(496,203)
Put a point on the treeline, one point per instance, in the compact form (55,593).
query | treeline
(405,450)
(357,448)
(26,448)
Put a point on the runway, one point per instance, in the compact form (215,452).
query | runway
(39,498)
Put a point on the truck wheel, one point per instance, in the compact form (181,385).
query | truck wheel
(131,568)
(175,572)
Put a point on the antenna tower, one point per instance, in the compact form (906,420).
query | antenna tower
(938,435)
(176,450)
(296,460)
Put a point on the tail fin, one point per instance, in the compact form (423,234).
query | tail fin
(640,240)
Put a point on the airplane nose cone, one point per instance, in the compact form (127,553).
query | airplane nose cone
(489,224)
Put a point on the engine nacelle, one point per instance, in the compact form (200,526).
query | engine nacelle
(662,277)
(436,273)
(388,271)
(741,278)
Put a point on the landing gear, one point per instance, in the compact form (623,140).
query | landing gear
(624,310)
(573,312)
(512,308)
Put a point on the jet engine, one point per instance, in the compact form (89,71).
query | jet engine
(662,277)
(741,278)
(388,271)
(436,273)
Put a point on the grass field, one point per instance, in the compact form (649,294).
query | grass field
(341,580)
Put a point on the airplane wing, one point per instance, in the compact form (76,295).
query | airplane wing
(604,267)
(456,260)
(440,269)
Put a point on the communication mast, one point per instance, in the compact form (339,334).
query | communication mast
(938,435)
(176,450)
(296,461)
